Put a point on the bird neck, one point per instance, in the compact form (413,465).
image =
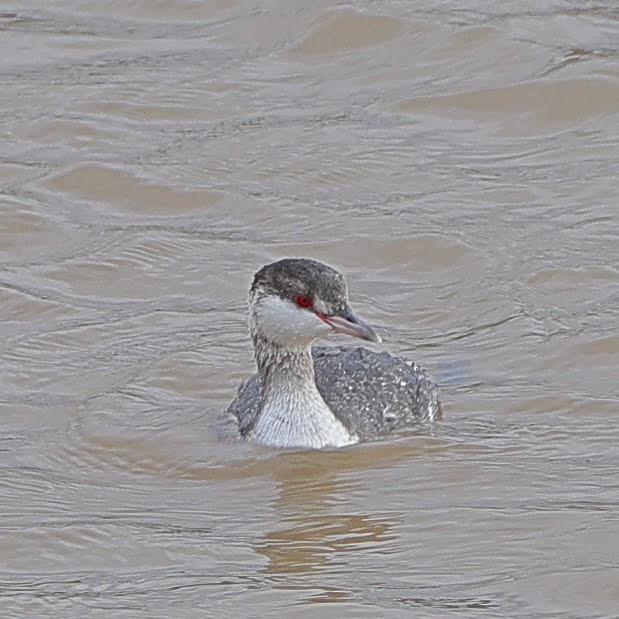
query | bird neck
(292,412)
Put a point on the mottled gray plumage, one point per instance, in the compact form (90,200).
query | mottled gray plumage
(322,396)
(371,393)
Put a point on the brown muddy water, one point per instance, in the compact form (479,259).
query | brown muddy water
(458,161)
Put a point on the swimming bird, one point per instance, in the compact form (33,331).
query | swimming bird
(322,396)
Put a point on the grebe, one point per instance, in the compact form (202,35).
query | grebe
(325,396)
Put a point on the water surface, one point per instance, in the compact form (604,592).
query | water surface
(456,160)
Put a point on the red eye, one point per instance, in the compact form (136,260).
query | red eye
(304,302)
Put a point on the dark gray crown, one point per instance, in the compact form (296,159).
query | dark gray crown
(292,277)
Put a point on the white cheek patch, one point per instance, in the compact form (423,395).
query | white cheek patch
(285,324)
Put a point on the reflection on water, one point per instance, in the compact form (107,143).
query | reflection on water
(311,535)
(457,161)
